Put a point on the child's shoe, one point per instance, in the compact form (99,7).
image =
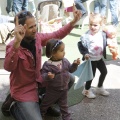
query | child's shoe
(88,93)
(101,91)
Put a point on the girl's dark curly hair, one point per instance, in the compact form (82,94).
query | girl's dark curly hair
(52,46)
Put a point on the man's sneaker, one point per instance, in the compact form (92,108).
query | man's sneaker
(11,14)
(52,111)
(101,91)
(6,105)
(88,93)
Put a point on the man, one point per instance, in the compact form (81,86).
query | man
(113,10)
(23,60)
(9,6)
(100,7)
(19,5)
(79,5)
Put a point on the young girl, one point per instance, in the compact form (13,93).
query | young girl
(93,46)
(56,73)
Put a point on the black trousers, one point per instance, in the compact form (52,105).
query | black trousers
(103,72)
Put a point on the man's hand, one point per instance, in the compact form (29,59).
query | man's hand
(77,15)
(19,33)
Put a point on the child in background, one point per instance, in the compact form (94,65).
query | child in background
(56,73)
(112,40)
(93,46)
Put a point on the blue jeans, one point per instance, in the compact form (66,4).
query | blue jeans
(19,5)
(100,6)
(113,9)
(9,6)
(26,111)
(79,5)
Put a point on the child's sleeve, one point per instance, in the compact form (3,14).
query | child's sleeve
(44,72)
(83,50)
(82,46)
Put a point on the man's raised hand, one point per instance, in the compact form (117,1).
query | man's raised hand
(77,15)
(19,31)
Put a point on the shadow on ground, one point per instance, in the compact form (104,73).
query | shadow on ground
(101,108)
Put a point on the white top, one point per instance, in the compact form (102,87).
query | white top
(94,43)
